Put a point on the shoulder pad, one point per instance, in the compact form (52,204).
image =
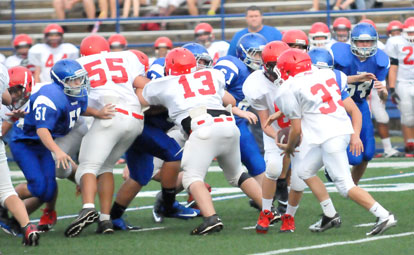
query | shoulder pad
(382,59)
(342,54)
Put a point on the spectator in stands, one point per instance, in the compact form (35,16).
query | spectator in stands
(127,7)
(21,45)
(254,20)
(166,8)
(61,6)
(193,8)
(346,4)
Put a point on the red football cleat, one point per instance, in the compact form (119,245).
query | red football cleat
(48,220)
(264,221)
(288,223)
(31,235)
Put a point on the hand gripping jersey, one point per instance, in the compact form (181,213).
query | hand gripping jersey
(399,48)
(181,93)
(348,63)
(112,75)
(260,94)
(315,98)
(50,108)
(45,57)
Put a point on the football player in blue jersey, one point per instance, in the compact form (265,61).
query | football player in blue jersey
(236,70)
(362,57)
(53,111)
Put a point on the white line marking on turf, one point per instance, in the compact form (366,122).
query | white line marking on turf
(364,240)
(365,225)
(147,229)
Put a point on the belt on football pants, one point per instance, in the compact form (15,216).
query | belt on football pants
(133,114)
(186,123)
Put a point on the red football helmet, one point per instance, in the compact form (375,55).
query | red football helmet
(341,28)
(93,44)
(369,21)
(203,34)
(50,33)
(163,42)
(409,28)
(22,40)
(180,61)
(319,29)
(270,54)
(117,41)
(394,25)
(143,58)
(21,79)
(293,61)
(296,38)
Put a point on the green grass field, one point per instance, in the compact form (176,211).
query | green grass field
(391,182)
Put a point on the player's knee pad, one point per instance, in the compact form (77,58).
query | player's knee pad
(343,185)
(191,176)
(296,183)
(369,150)
(62,173)
(407,119)
(142,177)
(381,116)
(305,174)
(5,194)
(352,159)
(273,169)
(238,181)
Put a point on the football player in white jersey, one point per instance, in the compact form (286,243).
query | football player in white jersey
(8,196)
(260,88)
(44,55)
(312,102)
(162,46)
(401,80)
(341,31)
(203,34)
(21,45)
(113,76)
(319,35)
(195,102)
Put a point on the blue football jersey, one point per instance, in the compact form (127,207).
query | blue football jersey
(235,72)
(156,69)
(350,64)
(52,109)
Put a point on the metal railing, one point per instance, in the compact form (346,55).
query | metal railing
(221,17)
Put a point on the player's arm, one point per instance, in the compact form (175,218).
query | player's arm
(381,88)
(140,82)
(355,144)
(6,98)
(392,80)
(269,130)
(5,127)
(61,157)
(228,99)
(36,74)
(360,78)
(107,112)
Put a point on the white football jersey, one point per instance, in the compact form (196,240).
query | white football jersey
(181,93)
(111,74)
(15,60)
(2,59)
(315,98)
(399,48)
(260,93)
(45,57)
(218,49)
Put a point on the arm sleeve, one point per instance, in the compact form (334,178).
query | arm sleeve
(150,95)
(45,115)
(394,61)
(344,87)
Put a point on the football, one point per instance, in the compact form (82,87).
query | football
(283,136)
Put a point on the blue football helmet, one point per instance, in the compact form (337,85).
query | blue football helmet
(204,60)
(249,50)
(71,76)
(321,58)
(364,32)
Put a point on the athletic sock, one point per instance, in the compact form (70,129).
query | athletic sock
(328,208)
(117,210)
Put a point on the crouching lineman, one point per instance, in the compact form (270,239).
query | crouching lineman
(312,102)
(195,102)
(8,196)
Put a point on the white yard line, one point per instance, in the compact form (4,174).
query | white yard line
(320,246)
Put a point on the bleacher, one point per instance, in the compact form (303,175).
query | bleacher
(31,16)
